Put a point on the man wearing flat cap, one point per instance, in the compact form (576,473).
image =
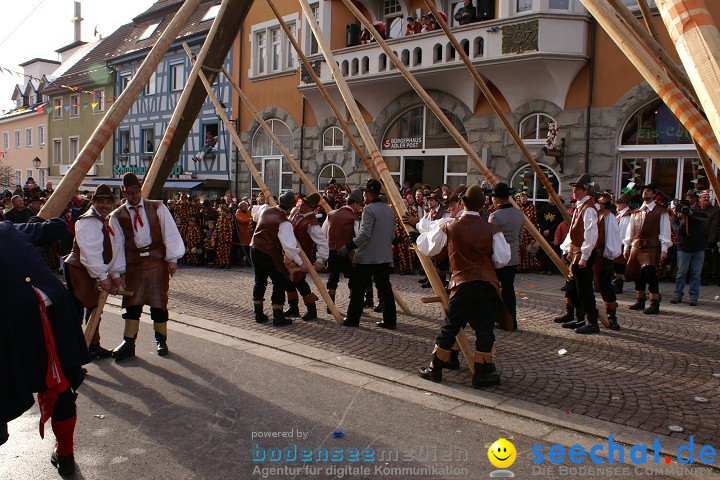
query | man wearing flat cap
(309,236)
(510,220)
(152,247)
(475,249)
(89,267)
(340,227)
(373,257)
(646,244)
(273,235)
(579,248)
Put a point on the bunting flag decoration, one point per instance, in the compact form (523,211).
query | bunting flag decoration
(67,108)
(94,104)
(40,109)
(85,105)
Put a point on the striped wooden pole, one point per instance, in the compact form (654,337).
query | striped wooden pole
(697,40)
(259,180)
(72,180)
(657,78)
(651,42)
(152,175)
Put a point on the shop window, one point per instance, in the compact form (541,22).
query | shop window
(655,124)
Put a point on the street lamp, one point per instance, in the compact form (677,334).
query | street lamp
(36,162)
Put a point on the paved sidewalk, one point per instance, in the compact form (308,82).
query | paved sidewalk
(647,375)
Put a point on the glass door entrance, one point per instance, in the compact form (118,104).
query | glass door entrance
(422,170)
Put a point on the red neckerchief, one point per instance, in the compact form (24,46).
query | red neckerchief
(137,218)
(54,378)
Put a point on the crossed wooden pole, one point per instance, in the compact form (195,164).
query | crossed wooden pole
(259,180)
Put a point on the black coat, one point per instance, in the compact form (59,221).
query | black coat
(23,359)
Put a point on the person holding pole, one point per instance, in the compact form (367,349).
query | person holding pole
(273,234)
(646,244)
(607,249)
(308,233)
(340,227)
(475,248)
(152,246)
(91,260)
(373,258)
(579,249)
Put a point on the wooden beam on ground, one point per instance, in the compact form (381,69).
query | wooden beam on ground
(498,111)
(151,177)
(431,299)
(229,24)
(72,180)
(259,180)
(382,168)
(324,91)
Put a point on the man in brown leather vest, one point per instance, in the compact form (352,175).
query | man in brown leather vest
(579,249)
(607,249)
(152,247)
(89,264)
(475,248)
(646,244)
(272,236)
(340,228)
(623,216)
(309,235)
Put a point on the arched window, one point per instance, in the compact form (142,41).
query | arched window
(333,139)
(331,172)
(525,178)
(275,170)
(534,128)
(655,124)
(420,128)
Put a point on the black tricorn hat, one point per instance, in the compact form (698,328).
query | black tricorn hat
(130,180)
(652,186)
(372,186)
(103,191)
(502,190)
(584,181)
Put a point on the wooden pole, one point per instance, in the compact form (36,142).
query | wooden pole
(498,111)
(659,80)
(324,91)
(291,160)
(258,179)
(94,319)
(471,153)
(647,17)
(382,168)
(105,130)
(651,42)
(159,157)
(697,40)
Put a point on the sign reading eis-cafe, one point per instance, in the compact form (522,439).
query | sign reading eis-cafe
(402,143)
(119,170)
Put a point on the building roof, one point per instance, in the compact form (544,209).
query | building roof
(162,12)
(36,60)
(68,47)
(91,69)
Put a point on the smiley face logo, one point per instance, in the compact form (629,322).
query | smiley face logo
(502,453)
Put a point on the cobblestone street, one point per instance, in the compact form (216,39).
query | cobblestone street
(656,372)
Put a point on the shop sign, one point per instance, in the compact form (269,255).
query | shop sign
(119,170)
(402,143)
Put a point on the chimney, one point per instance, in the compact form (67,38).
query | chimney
(77,20)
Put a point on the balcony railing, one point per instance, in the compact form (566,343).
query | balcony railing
(496,41)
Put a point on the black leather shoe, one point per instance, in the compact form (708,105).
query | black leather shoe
(292,311)
(161,342)
(574,324)
(125,350)
(260,317)
(379,308)
(589,328)
(65,464)
(426,285)
(96,351)
(348,323)
(614,325)
(279,319)
(386,325)
(311,312)
(434,371)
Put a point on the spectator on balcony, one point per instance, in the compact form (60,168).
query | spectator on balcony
(210,142)
(412,26)
(466,14)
